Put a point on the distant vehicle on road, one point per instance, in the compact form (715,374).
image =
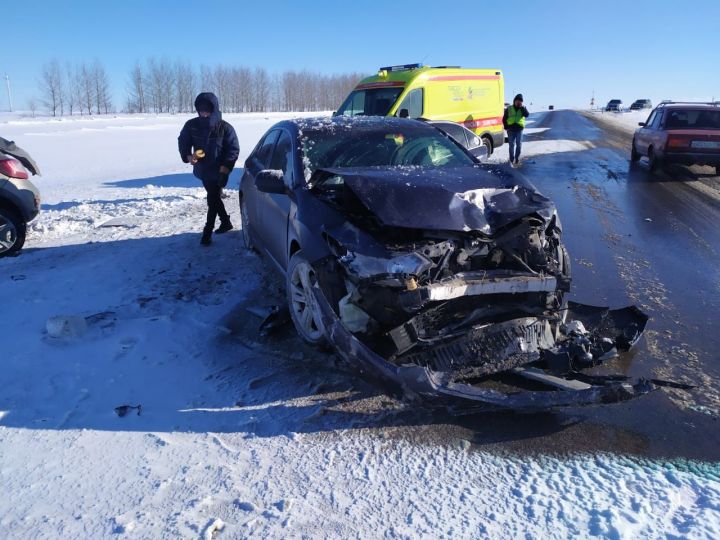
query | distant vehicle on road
(615,105)
(19,198)
(685,133)
(640,104)
(471,97)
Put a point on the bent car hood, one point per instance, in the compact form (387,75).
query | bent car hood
(449,199)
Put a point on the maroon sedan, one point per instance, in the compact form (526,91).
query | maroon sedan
(686,133)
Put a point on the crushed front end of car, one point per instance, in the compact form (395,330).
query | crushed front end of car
(455,295)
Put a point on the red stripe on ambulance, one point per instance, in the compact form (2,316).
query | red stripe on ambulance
(482,122)
(388,84)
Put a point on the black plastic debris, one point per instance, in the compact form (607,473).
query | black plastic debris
(124,410)
(277,317)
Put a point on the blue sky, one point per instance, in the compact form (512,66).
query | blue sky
(552,51)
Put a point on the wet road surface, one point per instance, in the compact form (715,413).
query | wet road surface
(635,238)
(652,240)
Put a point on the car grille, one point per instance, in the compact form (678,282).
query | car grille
(487,349)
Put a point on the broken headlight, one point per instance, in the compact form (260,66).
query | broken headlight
(405,264)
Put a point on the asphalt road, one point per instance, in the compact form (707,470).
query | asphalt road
(635,238)
(652,240)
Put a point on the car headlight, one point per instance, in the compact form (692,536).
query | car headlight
(367,266)
(409,263)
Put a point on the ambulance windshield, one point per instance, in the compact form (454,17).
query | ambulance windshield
(370,101)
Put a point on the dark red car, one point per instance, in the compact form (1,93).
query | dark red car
(686,133)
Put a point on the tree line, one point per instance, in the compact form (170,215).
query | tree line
(68,89)
(163,86)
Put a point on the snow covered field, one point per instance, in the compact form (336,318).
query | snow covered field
(241,436)
(628,121)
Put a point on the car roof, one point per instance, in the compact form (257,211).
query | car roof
(356,123)
(690,107)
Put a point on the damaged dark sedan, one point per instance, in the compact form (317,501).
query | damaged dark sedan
(426,270)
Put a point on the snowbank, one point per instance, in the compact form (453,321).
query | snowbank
(239,436)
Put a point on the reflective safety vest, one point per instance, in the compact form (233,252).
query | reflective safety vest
(515,116)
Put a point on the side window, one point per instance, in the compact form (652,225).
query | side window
(456,131)
(413,102)
(651,119)
(264,151)
(657,120)
(282,156)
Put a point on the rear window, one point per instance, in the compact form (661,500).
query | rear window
(692,119)
(370,102)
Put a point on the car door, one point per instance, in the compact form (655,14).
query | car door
(656,135)
(255,200)
(276,207)
(642,136)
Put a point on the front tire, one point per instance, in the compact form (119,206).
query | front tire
(245,223)
(304,311)
(12,231)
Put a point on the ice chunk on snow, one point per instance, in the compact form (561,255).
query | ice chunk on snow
(66,326)
(213,528)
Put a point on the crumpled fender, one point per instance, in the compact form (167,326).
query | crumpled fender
(426,385)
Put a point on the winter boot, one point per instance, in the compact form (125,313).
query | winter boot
(224,227)
(206,239)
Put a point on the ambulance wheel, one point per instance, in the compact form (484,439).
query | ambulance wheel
(488,142)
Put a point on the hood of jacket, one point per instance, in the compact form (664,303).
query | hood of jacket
(212,100)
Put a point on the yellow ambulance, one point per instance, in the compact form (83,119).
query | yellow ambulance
(471,97)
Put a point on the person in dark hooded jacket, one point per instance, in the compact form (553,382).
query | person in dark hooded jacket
(210,144)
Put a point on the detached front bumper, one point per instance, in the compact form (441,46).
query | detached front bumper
(437,387)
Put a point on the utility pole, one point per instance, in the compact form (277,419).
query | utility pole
(9,92)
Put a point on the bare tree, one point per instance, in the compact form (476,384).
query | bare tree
(137,90)
(51,83)
(102,88)
(87,85)
(32,106)
(261,88)
(184,87)
(161,87)
(72,89)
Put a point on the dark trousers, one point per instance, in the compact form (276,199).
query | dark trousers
(515,142)
(215,205)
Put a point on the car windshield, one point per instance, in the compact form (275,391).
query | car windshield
(693,119)
(370,102)
(387,146)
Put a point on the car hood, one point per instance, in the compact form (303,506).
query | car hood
(449,199)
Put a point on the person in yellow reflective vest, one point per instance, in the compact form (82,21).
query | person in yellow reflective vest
(514,123)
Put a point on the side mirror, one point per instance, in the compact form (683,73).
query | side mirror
(404,113)
(641,124)
(476,146)
(480,152)
(271,181)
